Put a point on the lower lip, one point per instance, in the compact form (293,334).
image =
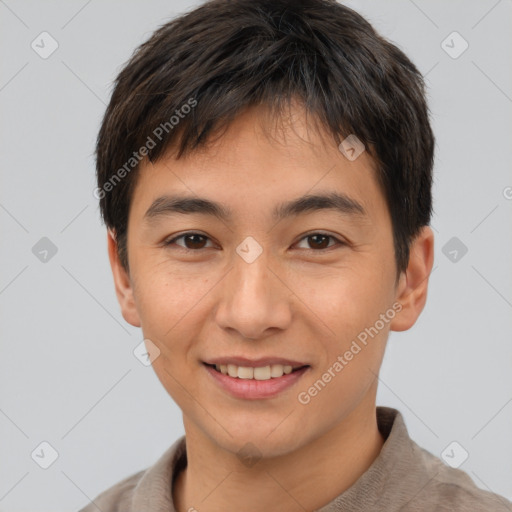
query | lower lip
(252,389)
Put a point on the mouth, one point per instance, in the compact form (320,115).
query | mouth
(255,382)
(272,371)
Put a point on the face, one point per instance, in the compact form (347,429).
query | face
(263,276)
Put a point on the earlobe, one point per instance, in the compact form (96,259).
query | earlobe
(122,282)
(413,284)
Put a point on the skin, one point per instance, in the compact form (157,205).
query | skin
(301,298)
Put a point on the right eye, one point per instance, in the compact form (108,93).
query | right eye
(191,241)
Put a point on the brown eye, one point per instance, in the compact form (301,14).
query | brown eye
(319,241)
(191,241)
(194,241)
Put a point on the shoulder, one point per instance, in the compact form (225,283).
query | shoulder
(116,498)
(452,490)
(412,479)
(149,489)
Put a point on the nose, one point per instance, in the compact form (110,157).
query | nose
(254,299)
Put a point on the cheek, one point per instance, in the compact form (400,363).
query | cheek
(170,308)
(347,306)
(343,301)
(168,302)
(352,357)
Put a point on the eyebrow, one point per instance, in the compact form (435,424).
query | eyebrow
(168,205)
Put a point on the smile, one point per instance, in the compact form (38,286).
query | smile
(253,383)
(273,371)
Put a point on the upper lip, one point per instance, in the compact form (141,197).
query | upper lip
(255,363)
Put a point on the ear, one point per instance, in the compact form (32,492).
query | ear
(413,283)
(123,284)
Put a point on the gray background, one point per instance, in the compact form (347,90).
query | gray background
(67,372)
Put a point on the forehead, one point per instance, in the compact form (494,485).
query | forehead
(262,160)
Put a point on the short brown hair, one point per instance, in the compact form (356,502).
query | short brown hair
(226,55)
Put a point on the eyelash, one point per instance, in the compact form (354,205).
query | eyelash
(168,243)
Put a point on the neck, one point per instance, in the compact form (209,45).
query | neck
(305,479)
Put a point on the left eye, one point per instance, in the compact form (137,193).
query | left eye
(319,241)
(197,241)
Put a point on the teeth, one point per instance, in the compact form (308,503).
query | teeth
(261,373)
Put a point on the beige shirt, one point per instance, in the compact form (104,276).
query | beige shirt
(404,477)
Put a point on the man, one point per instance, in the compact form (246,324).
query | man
(264,171)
